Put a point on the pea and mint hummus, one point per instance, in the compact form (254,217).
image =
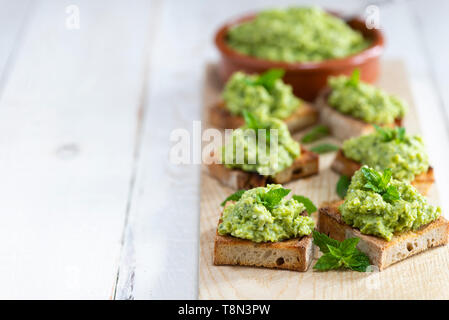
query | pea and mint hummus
(405,156)
(250,219)
(244,92)
(246,149)
(364,101)
(296,35)
(372,214)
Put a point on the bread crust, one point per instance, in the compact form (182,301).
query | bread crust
(293,254)
(383,253)
(346,166)
(307,164)
(343,126)
(303,117)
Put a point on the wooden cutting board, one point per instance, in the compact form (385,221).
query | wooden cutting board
(424,276)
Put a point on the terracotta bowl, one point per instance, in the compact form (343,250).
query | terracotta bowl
(306,78)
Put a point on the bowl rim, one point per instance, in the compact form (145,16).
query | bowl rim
(374,50)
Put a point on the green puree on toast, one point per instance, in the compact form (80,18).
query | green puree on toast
(297,34)
(379,205)
(264,214)
(363,101)
(245,150)
(264,94)
(390,148)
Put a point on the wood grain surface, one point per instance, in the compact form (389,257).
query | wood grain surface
(425,276)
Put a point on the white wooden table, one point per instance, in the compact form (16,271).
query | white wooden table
(90,206)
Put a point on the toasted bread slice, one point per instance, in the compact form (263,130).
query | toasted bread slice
(293,254)
(305,165)
(345,166)
(343,126)
(383,253)
(303,117)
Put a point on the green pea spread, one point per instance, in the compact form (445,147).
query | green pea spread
(364,101)
(298,34)
(246,149)
(243,93)
(369,212)
(406,157)
(249,219)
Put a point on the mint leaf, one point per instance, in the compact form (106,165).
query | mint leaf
(400,133)
(327,262)
(272,198)
(358,261)
(322,241)
(355,78)
(348,245)
(374,179)
(253,123)
(338,254)
(342,186)
(316,133)
(335,251)
(324,148)
(234,197)
(268,78)
(391,194)
(310,207)
(250,120)
(386,177)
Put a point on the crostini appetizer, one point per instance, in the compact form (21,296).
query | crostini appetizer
(390,148)
(391,218)
(265,95)
(351,107)
(260,152)
(261,228)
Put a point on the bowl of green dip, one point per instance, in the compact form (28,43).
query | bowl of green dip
(310,44)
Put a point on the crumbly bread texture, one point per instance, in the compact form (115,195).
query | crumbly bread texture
(305,165)
(293,254)
(383,253)
(343,126)
(345,166)
(303,117)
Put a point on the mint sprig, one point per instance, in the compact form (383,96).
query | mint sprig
(253,123)
(324,148)
(354,79)
(268,78)
(338,254)
(310,207)
(380,183)
(316,133)
(273,197)
(233,197)
(390,134)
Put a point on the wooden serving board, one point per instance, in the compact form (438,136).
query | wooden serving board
(424,276)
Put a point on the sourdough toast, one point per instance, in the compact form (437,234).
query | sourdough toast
(383,253)
(305,165)
(343,126)
(345,166)
(303,117)
(293,254)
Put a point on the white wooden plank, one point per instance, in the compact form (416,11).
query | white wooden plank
(68,121)
(14,16)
